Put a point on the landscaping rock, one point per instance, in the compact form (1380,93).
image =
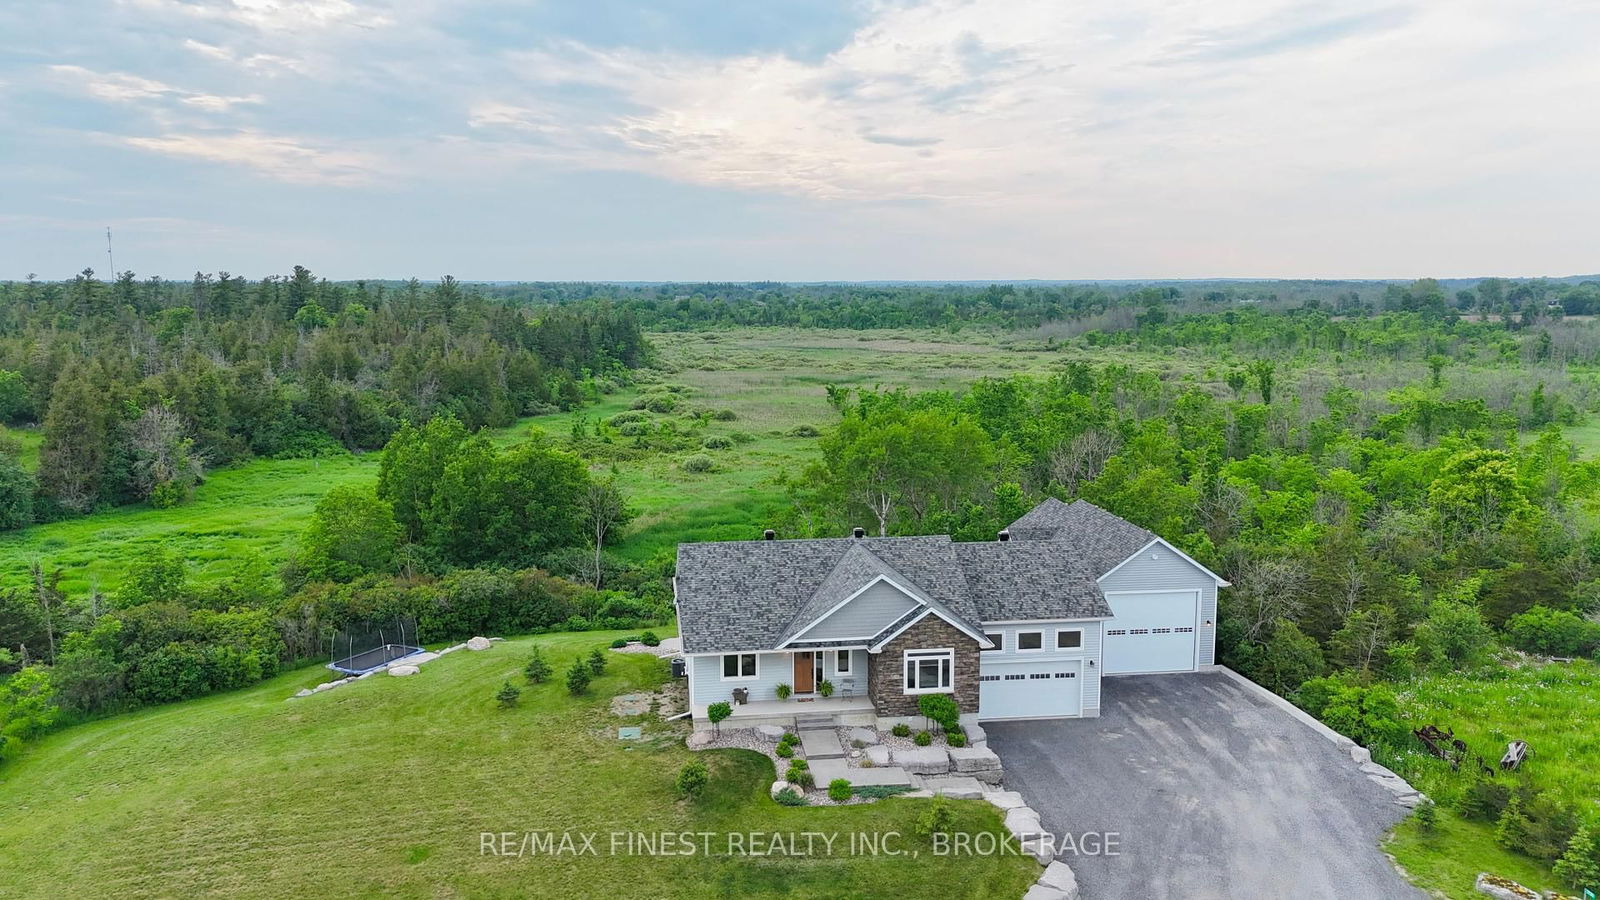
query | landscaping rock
(421,658)
(1393,783)
(453,648)
(772,733)
(1041,849)
(1361,755)
(957,787)
(699,740)
(1410,801)
(1040,892)
(878,753)
(864,735)
(922,760)
(1502,888)
(778,787)
(916,795)
(1004,800)
(990,777)
(402,671)
(304,692)
(975,734)
(326,686)
(972,759)
(479,643)
(1372,768)
(1024,823)
(1059,875)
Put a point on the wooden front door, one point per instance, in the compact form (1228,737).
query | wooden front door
(804,677)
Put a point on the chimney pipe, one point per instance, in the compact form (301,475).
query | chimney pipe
(1005,535)
(769,535)
(858,531)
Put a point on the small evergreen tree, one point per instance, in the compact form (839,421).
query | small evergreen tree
(1427,818)
(692,779)
(1579,866)
(597,662)
(578,677)
(538,668)
(1514,829)
(938,818)
(508,695)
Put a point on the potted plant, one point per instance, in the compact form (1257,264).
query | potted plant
(783,691)
(825,689)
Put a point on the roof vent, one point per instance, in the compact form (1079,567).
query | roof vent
(858,531)
(769,535)
(1005,535)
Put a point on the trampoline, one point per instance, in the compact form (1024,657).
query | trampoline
(360,649)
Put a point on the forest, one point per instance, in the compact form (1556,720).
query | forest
(1393,475)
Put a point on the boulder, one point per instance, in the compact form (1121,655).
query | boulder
(1058,875)
(975,734)
(878,753)
(1393,783)
(1361,755)
(957,787)
(1410,801)
(401,671)
(922,760)
(1372,768)
(770,732)
(1004,800)
(479,643)
(1023,822)
(864,735)
(304,692)
(326,686)
(1042,849)
(420,658)
(1041,892)
(778,787)
(972,759)
(1502,888)
(990,777)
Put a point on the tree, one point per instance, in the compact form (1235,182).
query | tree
(352,533)
(49,598)
(578,677)
(692,779)
(1478,491)
(597,662)
(1290,657)
(508,694)
(16,492)
(604,510)
(507,507)
(718,711)
(15,403)
(1263,371)
(1454,635)
(1579,866)
(538,668)
(166,465)
(87,680)
(1363,636)
(412,467)
(158,575)
(77,441)
(27,709)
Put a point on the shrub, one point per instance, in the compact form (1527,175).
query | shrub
(625,417)
(538,668)
(692,779)
(724,415)
(901,729)
(1367,714)
(940,709)
(597,662)
(789,737)
(716,712)
(649,639)
(1579,866)
(578,677)
(783,691)
(803,431)
(742,437)
(1427,817)
(800,773)
(923,739)
(619,643)
(956,739)
(789,797)
(876,791)
(839,790)
(825,689)
(716,442)
(938,818)
(697,464)
(1554,632)
(1484,800)
(784,750)
(507,695)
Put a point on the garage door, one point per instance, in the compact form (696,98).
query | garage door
(1030,690)
(1151,633)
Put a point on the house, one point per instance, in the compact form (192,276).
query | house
(1023,627)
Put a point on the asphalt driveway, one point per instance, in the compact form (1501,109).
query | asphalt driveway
(1208,790)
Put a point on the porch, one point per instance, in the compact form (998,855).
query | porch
(854,710)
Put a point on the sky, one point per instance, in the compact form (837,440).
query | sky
(800,140)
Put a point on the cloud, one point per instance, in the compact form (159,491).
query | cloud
(264,63)
(276,15)
(120,87)
(280,158)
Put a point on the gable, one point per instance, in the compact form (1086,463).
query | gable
(862,616)
(1156,566)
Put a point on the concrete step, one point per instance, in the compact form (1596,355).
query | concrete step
(821,744)
(826,770)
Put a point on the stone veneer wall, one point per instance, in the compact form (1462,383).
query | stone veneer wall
(886,670)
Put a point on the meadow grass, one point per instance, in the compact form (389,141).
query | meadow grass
(383,788)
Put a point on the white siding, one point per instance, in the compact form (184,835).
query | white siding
(869,613)
(706,685)
(1089,651)
(1170,572)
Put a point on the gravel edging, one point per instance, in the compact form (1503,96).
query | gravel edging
(750,739)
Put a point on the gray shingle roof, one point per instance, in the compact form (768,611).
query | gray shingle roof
(1099,539)
(1019,580)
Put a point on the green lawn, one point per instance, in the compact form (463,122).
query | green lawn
(1554,707)
(383,787)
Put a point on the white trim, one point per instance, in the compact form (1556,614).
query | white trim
(722,668)
(1000,647)
(1080,678)
(842,603)
(1022,631)
(1221,582)
(1049,620)
(1199,602)
(1057,643)
(927,653)
(983,642)
(850,663)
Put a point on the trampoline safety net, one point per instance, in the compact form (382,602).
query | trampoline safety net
(362,647)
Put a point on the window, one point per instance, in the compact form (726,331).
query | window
(738,666)
(842,666)
(1030,640)
(930,671)
(997,638)
(1069,639)
(1066,674)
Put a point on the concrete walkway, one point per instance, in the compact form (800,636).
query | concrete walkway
(821,744)
(826,770)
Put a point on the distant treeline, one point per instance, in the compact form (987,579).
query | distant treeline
(139,385)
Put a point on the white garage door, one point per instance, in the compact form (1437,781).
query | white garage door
(1030,690)
(1151,632)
